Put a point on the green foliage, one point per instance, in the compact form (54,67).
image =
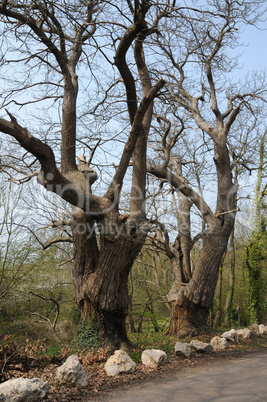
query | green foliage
(42,275)
(75,314)
(87,334)
(230,311)
(256,248)
(149,339)
(253,260)
(53,350)
(150,281)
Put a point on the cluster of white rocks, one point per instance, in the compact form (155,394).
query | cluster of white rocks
(120,361)
(219,342)
(259,329)
(237,335)
(185,349)
(71,373)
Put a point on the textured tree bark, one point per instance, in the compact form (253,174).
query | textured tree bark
(193,300)
(86,254)
(192,297)
(187,320)
(184,239)
(100,274)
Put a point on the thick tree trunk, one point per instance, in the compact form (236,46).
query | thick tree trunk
(192,301)
(187,319)
(100,275)
(107,286)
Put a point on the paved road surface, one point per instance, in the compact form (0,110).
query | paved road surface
(240,380)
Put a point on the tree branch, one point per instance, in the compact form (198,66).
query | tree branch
(185,189)
(71,187)
(137,127)
(36,147)
(46,319)
(28,20)
(120,58)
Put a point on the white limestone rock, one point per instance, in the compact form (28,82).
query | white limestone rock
(23,390)
(183,349)
(231,335)
(153,357)
(71,373)
(255,329)
(219,343)
(262,329)
(119,363)
(201,346)
(243,333)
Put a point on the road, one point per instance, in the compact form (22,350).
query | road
(238,380)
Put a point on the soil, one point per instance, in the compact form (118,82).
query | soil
(100,385)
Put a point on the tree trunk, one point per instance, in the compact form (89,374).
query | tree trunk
(107,286)
(187,319)
(153,319)
(192,301)
(100,274)
(184,239)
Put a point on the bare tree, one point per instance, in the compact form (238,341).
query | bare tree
(55,40)
(195,46)
(123,51)
(14,251)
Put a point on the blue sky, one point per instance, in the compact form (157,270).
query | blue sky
(255,54)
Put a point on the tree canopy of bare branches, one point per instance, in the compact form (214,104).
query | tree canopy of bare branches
(111,80)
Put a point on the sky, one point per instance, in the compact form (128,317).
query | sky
(254,55)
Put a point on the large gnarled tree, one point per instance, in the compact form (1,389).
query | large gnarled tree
(53,36)
(206,105)
(125,50)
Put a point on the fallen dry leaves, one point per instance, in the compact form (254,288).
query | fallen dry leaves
(27,361)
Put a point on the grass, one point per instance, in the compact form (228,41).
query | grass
(148,339)
(53,350)
(42,344)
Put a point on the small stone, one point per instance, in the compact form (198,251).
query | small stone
(231,335)
(219,343)
(153,357)
(71,373)
(23,389)
(119,363)
(183,349)
(255,329)
(201,346)
(243,333)
(262,329)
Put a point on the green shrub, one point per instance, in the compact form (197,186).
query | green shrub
(87,335)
